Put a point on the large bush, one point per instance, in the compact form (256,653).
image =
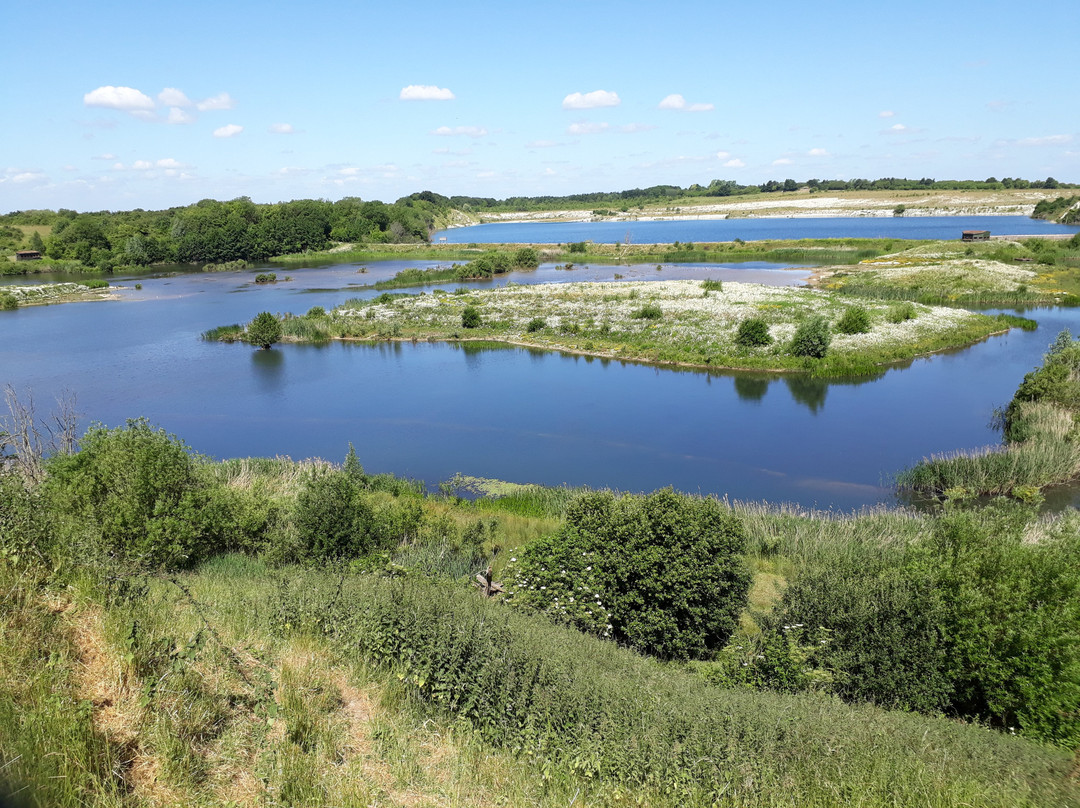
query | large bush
(332,519)
(133,494)
(976,621)
(854,320)
(662,573)
(811,338)
(752,333)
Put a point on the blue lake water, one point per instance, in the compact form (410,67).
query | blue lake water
(707,230)
(430,410)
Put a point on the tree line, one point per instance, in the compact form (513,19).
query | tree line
(216,232)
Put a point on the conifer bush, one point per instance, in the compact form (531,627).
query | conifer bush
(854,320)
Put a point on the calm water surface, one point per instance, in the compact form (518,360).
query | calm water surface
(665,232)
(431,410)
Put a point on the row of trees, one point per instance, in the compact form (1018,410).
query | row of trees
(212,231)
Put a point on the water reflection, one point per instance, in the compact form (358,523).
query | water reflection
(751,388)
(269,369)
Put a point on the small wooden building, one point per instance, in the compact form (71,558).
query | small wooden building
(27,255)
(975,235)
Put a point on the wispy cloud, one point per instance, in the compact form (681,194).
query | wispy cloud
(587,128)
(179,116)
(229,130)
(735,163)
(1047,140)
(886,113)
(468,131)
(281,129)
(542,144)
(425,92)
(818,153)
(216,102)
(631,128)
(597,98)
(783,161)
(171,97)
(676,102)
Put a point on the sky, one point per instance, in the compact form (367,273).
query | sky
(121,105)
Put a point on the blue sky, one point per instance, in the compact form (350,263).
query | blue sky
(125,105)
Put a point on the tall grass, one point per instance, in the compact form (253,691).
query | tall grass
(570,703)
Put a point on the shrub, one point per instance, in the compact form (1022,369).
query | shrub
(266,277)
(854,320)
(95,284)
(316,311)
(8,301)
(526,257)
(264,330)
(577,247)
(711,285)
(536,324)
(752,333)
(332,520)
(901,312)
(973,621)
(470,317)
(662,573)
(811,338)
(650,311)
(134,494)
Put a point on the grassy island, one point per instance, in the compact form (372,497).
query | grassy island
(672,322)
(12,297)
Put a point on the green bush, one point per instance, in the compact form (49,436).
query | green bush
(854,320)
(711,285)
(8,301)
(132,493)
(470,317)
(266,277)
(264,330)
(332,519)
(536,324)
(901,312)
(974,622)
(812,338)
(316,311)
(577,247)
(650,311)
(526,257)
(95,284)
(662,573)
(752,333)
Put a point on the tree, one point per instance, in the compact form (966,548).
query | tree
(264,330)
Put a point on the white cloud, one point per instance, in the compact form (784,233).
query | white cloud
(179,116)
(818,153)
(723,155)
(171,97)
(676,102)
(469,131)
(735,163)
(106,156)
(586,128)
(217,102)
(886,113)
(630,128)
(29,176)
(783,161)
(282,129)
(118,166)
(142,165)
(168,162)
(229,130)
(124,98)
(1048,140)
(541,144)
(597,98)
(425,92)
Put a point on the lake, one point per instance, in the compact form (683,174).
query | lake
(708,230)
(429,411)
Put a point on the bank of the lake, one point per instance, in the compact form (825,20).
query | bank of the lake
(684,323)
(15,296)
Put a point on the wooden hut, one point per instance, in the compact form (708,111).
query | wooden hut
(975,235)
